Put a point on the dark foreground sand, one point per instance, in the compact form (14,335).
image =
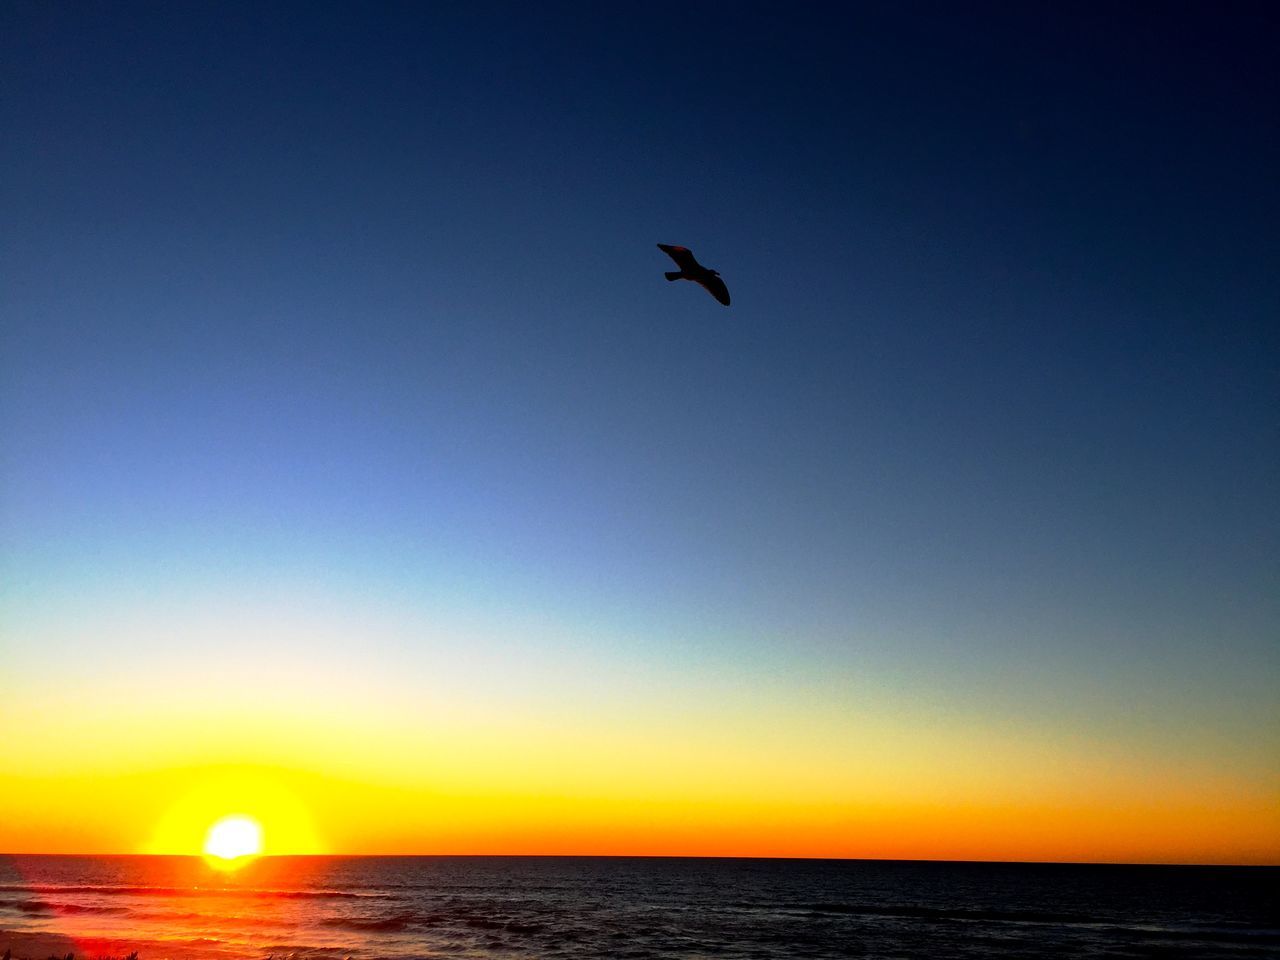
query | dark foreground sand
(26,945)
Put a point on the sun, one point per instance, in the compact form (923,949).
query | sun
(232,841)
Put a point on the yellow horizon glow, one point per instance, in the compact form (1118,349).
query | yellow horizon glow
(297,809)
(497,753)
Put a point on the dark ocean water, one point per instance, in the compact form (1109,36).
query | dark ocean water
(402,907)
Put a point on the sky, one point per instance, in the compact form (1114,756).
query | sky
(359,471)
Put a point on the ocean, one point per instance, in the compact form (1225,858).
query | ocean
(641,908)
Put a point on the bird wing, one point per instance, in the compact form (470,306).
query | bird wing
(683,256)
(715,286)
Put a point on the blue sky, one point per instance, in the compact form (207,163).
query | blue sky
(318,301)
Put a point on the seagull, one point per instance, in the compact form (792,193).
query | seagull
(691,269)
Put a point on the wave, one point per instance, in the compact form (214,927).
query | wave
(398,922)
(1214,935)
(1109,926)
(144,891)
(402,921)
(172,917)
(53,906)
(914,912)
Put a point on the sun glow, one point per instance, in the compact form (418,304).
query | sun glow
(232,841)
(270,799)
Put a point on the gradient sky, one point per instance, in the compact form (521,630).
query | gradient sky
(359,470)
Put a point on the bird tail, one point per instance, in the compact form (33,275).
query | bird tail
(673,276)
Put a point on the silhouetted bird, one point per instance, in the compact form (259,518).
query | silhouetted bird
(691,269)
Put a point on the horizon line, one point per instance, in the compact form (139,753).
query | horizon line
(677,856)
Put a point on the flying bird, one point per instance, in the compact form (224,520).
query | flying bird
(691,269)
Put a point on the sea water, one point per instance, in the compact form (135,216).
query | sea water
(642,908)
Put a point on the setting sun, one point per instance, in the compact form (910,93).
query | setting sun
(233,838)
